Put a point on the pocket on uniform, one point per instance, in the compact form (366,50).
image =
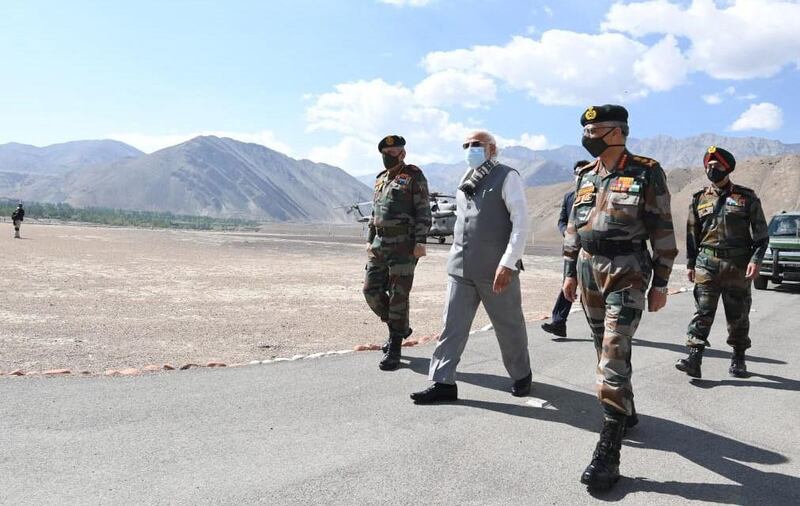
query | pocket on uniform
(403,269)
(624,207)
(633,298)
(704,270)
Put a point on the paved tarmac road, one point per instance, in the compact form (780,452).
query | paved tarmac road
(336,430)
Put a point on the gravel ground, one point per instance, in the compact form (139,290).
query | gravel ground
(92,298)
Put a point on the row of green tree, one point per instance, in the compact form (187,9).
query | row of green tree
(122,217)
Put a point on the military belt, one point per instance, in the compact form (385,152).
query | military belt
(392,231)
(613,248)
(726,252)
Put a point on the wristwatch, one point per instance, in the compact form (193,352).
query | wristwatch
(661,289)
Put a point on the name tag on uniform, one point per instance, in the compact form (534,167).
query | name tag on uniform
(735,200)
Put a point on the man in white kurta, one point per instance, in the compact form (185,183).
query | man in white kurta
(483,267)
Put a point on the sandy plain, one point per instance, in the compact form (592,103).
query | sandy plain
(95,298)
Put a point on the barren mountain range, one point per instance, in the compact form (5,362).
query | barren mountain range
(775,179)
(222,177)
(207,176)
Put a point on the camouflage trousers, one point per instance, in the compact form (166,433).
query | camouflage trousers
(387,285)
(613,298)
(17,224)
(715,277)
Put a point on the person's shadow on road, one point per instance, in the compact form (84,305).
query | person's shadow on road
(721,455)
(708,353)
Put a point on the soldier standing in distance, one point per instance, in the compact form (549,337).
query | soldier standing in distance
(398,229)
(16,217)
(621,202)
(722,257)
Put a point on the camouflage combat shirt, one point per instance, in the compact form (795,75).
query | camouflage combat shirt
(629,204)
(728,218)
(401,203)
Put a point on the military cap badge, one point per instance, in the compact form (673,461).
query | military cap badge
(391,141)
(590,113)
(712,149)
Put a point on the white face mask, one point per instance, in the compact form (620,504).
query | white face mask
(475,156)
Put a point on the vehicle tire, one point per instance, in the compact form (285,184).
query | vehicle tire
(442,240)
(760,283)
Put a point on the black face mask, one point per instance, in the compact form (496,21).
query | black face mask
(390,161)
(597,145)
(716,175)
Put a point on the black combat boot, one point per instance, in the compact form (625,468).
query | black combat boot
(391,357)
(385,347)
(738,368)
(691,364)
(603,471)
(633,419)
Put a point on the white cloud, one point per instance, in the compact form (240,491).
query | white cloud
(662,67)
(363,112)
(455,87)
(763,116)
(149,143)
(530,141)
(561,68)
(407,3)
(743,39)
(730,91)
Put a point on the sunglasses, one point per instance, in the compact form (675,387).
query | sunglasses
(473,144)
(592,131)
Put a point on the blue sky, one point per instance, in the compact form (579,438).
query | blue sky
(326,79)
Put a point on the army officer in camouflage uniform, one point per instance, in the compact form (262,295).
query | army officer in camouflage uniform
(621,202)
(726,238)
(398,229)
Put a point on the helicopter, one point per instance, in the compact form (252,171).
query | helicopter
(443,214)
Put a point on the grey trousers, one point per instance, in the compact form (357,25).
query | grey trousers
(505,312)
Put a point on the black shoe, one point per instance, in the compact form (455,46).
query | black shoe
(438,392)
(391,356)
(603,471)
(691,364)
(557,329)
(522,387)
(738,368)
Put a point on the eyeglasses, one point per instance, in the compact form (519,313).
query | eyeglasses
(472,144)
(591,131)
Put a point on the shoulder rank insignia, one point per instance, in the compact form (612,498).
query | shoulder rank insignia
(643,160)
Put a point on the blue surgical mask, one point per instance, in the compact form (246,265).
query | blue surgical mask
(475,157)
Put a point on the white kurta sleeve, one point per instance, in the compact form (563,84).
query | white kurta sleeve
(517,205)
